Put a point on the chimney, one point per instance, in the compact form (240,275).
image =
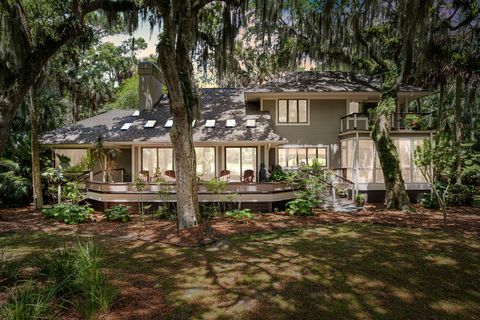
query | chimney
(149,85)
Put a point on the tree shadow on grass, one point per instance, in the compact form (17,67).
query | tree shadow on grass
(351,271)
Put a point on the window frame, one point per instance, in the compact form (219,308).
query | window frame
(241,160)
(214,158)
(156,151)
(287,115)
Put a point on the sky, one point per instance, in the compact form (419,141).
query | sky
(142,31)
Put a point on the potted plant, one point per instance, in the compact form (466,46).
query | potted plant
(413,122)
(360,200)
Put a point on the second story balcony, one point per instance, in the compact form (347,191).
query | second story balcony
(400,121)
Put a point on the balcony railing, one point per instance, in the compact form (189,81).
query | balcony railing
(400,121)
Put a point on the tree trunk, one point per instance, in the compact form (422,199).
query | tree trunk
(471,107)
(441,102)
(397,197)
(36,175)
(174,58)
(458,130)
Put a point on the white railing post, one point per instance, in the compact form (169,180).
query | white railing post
(355,121)
(341,125)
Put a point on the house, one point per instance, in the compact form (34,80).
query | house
(286,122)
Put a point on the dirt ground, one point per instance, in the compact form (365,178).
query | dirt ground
(464,220)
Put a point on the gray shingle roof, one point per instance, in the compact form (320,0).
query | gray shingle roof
(327,81)
(218,104)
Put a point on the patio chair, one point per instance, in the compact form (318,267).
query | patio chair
(144,175)
(248,175)
(224,175)
(170,175)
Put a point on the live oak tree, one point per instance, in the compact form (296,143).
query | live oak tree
(190,28)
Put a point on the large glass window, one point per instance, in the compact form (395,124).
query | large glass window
(293,157)
(157,160)
(292,111)
(205,162)
(237,160)
(365,160)
(72,156)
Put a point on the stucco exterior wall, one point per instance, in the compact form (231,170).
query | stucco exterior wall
(323,127)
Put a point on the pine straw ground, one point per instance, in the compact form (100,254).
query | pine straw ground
(375,263)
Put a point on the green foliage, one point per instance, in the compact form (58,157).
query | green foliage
(360,200)
(415,122)
(428,200)
(300,207)
(9,269)
(29,301)
(460,195)
(126,96)
(117,213)
(71,193)
(240,214)
(165,212)
(14,188)
(471,163)
(280,175)
(69,213)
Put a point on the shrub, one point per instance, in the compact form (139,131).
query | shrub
(460,195)
(117,213)
(164,212)
(360,200)
(69,213)
(29,301)
(240,214)
(71,193)
(97,293)
(427,201)
(300,207)
(280,175)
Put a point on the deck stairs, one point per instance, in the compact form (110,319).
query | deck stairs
(340,194)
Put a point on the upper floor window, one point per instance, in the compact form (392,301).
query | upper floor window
(292,111)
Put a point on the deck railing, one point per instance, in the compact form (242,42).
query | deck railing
(169,187)
(400,121)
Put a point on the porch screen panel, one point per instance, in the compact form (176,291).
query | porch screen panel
(205,162)
(378,169)
(249,159)
(365,161)
(302,156)
(322,156)
(282,111)
(76,156)
(232,156)
(292,157)
(165,160)
(282,157)
(416,173)
(240,159)
(403,148)
(292,111)
(149,160)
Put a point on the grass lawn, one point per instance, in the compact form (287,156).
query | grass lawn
(348,271)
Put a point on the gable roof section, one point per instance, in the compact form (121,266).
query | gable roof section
(326,81)
(217,104)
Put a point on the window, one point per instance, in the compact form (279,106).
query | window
(136,113)
(231,123)
(150,124)
(157,160)
(210,123)
(126,126)
(169,123)
(205,162)
(294,157)
(251,123)
(292,111)
(365,160)
(237,160)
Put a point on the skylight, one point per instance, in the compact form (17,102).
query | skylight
(193,123)
(251,123)
(126,126)
(169,123)
(231,123)
(150,124)
(136,113)
(210,123)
